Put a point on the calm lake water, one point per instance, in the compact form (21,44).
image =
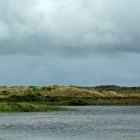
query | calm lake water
(89,123)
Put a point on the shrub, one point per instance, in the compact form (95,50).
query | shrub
(49,88)
(6,92)
(35,89)
(28,95)
(78,102)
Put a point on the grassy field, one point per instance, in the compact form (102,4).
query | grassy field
(46,98)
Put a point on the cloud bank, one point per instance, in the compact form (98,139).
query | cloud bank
(69,28)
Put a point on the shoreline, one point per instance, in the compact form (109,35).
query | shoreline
(48,98)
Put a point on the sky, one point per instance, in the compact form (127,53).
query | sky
(69,42)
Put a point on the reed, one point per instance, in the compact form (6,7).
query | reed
(29,107)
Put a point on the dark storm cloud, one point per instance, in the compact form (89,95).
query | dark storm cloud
(69,28)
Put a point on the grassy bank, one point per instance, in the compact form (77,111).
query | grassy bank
(30,107)
(91,102)
(46,98)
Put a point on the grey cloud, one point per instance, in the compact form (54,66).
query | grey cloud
(95,70)
(69,28)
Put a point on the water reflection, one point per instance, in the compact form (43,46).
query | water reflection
(88,123)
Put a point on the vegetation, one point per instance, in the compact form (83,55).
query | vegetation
(28,107)
(37,98)
(28,95)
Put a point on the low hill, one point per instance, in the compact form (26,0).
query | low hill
(103,91)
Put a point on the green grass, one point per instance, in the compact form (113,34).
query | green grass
(92,102)
(29,107)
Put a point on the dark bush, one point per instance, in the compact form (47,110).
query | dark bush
(35,89)
(6,92)
(78,102)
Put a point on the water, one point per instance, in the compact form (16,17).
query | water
(89,123)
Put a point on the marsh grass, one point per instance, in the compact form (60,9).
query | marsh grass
(29,107)
(91,102)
